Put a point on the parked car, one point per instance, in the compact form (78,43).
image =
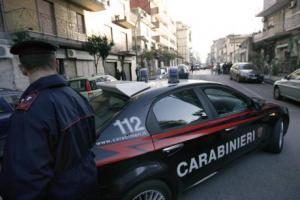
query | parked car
(8,101)
(161,73)
(183,71)
(88,85)
(245,72)
(288,87)
(158,139)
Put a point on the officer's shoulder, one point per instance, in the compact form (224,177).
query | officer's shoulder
(27,102)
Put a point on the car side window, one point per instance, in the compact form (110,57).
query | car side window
(12,100)
(178,109)
(226,102)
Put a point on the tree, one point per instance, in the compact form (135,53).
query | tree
(98,47)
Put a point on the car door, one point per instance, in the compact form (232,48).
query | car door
(243,128)
(286,86)
(182,135)
(295,86)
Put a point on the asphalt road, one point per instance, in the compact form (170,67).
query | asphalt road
(258,175)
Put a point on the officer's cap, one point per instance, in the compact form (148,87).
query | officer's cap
(31,47)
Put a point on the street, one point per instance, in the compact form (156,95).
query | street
(258,175)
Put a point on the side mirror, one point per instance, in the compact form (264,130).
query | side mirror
(258,103)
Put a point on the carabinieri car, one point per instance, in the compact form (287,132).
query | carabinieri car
(157,139)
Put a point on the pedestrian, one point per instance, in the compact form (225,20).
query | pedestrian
(48,152)
(118,74)
(123,75)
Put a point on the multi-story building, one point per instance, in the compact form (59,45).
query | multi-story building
(232,46)
(164,26)
(116,23)
(58,21)
(279,41)
(184,41)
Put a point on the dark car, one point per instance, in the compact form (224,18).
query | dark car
(158,139)
(245,72)
(8,101)
(183,71)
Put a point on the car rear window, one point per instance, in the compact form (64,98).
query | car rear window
(248,66)
(78,85)
(106,106)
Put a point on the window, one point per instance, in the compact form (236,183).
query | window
(80,23)
(46,17)
(78,85)
(179,109)
(12,100)
(295,75)
(226,102)
(106,106)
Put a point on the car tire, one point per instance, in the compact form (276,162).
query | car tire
(277,94)
(152,187)
(277,138)
(230,77)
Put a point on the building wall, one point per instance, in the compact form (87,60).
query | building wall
(100,23)
(183,34)
(66,25)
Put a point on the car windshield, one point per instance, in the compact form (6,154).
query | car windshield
(78,85)
(106,106)
(248,66)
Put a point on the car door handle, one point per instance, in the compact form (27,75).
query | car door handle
(173,149)
(230,129)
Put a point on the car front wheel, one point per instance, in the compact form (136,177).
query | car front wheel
(150,190)
(277,138)
(277,94)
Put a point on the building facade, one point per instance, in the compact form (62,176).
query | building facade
(116,23)
(279,40)
(60,22)
(184,41)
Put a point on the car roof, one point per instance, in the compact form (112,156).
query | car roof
(89,77)
(150,89)
(5,91)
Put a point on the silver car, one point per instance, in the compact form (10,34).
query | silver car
(288,87)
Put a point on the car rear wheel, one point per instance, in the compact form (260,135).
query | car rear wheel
(276,141)
(150,190)
(277,94)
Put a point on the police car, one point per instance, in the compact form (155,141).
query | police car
(158,139)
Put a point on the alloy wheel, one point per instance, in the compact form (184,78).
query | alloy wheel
(150,195)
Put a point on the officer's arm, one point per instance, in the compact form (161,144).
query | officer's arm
(28,162)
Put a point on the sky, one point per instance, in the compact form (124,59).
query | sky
(213,19)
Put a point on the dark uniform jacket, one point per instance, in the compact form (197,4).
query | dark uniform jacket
(48,155)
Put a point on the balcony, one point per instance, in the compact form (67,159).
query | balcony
(123,21)
(292,22)
(273,8)
(41,26)
(91,5)
(271,34)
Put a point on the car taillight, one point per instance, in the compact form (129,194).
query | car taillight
(88,88)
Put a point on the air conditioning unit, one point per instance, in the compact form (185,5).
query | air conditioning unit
(292,4)
(71,53)
(4,52)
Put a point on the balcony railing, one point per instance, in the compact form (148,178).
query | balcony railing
(292,22)
(91,5)
(25,19)
(123,21)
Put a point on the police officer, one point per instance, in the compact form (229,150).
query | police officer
(47,155)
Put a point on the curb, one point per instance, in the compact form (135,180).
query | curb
(269,81)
